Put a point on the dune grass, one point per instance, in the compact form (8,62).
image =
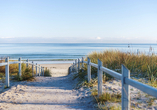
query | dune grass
(26,73)
(47,73)
(140,65)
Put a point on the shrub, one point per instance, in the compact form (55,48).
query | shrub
(47,73)
(26,75)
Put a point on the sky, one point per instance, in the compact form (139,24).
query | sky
(78,21)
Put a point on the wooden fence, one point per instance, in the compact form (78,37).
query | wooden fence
(124,77)
(19,62)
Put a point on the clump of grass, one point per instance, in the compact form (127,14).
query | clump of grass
(104,107)
(26,75)
(47,73)
(151,101)
(107,97)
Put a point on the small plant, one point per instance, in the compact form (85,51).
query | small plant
(104,107)
(26,75)
(107,97)
(47,73)
(151,101)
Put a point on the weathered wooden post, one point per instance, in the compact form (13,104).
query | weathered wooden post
(19,67)
(78,64)
(125,89)
(82,62)
(73,67)
(32,68)
(7,72)
(88,69)
(36,69)
(27,63)
(100,75)
(43,71)
(39,70)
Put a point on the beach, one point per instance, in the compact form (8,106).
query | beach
(57,69)
(47,93)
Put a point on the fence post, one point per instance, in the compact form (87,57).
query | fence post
(69,71)
(100,75)
(43,71)
(78,64)
(7,72)
(32,68)
(19,67)
(82,62)
(39,70)
(36,69)
(27,63)
(125,89)
(88,69)
(73,67)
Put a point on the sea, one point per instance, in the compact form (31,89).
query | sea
(66,51)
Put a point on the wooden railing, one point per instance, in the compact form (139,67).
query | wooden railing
(19,62)
(124,77)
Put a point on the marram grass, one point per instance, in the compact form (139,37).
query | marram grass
(139,65)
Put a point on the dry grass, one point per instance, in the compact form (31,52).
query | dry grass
(13,72)
(140,65)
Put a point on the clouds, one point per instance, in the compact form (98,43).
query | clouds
(79,39)
(6,37)
(98,38)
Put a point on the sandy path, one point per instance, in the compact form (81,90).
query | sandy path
(46,93)
(57,69)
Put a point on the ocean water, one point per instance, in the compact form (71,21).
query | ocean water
(66,51)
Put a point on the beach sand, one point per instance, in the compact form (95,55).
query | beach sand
(57,69)
(47,93)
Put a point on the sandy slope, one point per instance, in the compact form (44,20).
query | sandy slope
(46,93)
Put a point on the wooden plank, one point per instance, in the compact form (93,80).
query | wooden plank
(3,64)
(111,72)
(85,62)
(94,65)
(143,87)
